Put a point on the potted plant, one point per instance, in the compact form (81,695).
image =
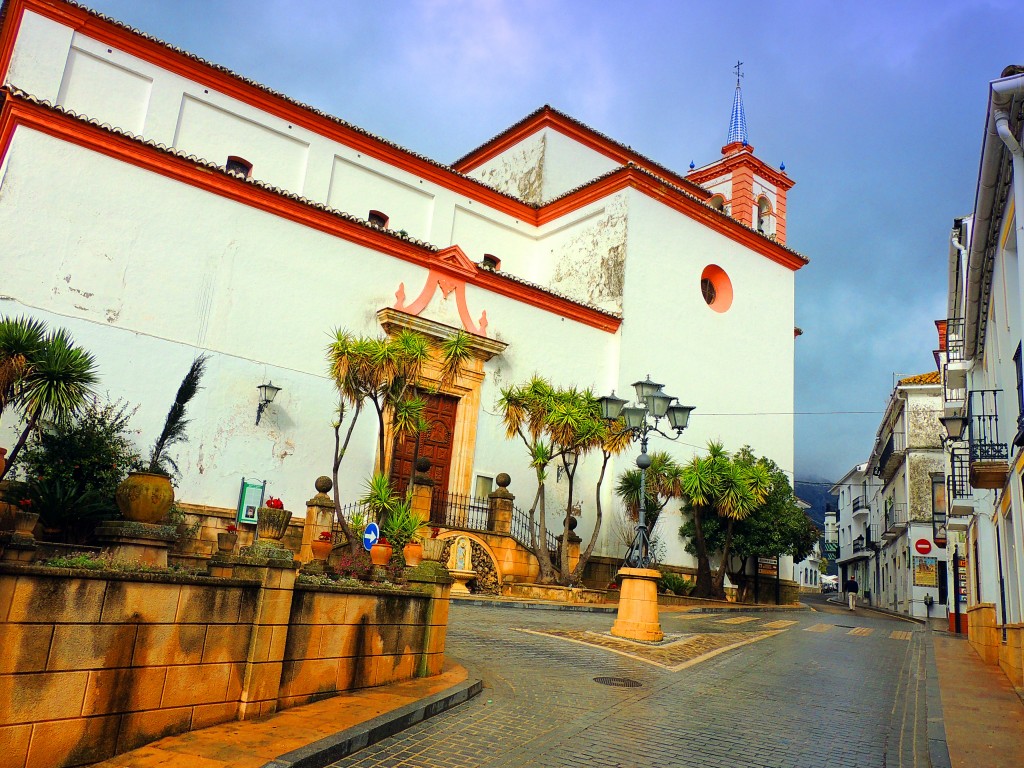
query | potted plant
(433,547)
(322,545)
(227,538)
(273,520)
(24,518)
(146,495)
(381,551)
(402,528)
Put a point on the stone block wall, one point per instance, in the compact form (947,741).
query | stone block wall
(343,639)
(214,520)
(93,664)
(983,633)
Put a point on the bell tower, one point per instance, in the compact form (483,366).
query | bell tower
(745,187)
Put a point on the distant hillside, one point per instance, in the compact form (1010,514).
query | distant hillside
(816,494)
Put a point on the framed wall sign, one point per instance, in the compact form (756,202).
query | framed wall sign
(250,499)
(926,572)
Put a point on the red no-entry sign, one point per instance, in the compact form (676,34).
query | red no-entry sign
(923,546)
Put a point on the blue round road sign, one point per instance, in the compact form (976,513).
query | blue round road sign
(370,536)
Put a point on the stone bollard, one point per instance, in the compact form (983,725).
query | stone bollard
(422,490)
(500,514)
(319,517)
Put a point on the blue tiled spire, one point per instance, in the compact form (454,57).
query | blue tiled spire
(738,119)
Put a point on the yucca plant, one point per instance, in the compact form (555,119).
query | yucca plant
(387,372)
(54,380)
(175,424)
(21,339)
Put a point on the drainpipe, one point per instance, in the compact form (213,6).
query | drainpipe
(1003,92)
(956,264)
(1002,120)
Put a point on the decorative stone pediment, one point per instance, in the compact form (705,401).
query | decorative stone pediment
(392,320)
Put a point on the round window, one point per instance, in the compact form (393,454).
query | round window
(716,288)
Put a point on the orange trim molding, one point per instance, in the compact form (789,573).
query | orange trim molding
(18,112)
(235,87)
(549,118)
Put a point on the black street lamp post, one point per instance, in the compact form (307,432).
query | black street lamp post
(652,404)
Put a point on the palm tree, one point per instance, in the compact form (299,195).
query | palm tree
(661,481)
(554,423)
(55,381)
(387,372)
(21,339)
(716,484)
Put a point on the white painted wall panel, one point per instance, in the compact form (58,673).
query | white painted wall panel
(357,190)
(40,53)
(214,134)
(104,91)
(568,164)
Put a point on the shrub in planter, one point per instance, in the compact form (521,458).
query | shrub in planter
(74,467)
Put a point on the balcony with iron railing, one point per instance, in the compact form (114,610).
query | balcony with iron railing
(988,455)
(860,507)
(895,521)
(954,372)
(958,480)
(891,455)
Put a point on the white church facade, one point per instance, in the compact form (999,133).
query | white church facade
(160,207)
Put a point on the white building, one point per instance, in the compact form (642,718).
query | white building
(159,207)
(908,507)
(983,387)
(853,533)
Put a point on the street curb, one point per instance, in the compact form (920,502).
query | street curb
(754,609)
(332,748)
(938,749)
(882,611)
(578,607)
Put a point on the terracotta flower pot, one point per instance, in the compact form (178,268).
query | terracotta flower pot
(380,553)
(145,497)
(321,549)
(7,512)
(25,522)
(272,523)
(226,541)
(413,553)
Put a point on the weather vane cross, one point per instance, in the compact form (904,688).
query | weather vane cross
(739,72)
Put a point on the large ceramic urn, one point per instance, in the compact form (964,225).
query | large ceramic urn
(145,497)
(271,523)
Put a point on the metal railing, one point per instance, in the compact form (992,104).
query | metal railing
(522,532)
(955,339)
(895,517)
(983,426)
(960,472)
(894,447)
(860,504)
(458,510)
(354,508)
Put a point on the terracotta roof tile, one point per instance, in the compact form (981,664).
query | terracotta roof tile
(932,377)
(17,93)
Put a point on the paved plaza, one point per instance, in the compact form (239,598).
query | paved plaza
(753,690)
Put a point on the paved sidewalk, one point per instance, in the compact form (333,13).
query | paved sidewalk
(311,735)
(983,715)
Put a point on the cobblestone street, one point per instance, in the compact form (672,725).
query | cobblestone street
(759,705)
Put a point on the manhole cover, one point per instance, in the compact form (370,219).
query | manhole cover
(618,682)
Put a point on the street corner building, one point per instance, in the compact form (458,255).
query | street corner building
(983,408)
(159,206)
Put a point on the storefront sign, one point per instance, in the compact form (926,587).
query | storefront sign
(923,546)
(926,572)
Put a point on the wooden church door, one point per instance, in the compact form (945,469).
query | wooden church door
(434,443)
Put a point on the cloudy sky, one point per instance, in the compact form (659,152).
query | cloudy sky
(876,110)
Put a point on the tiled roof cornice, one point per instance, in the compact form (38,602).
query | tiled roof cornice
(355,229)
